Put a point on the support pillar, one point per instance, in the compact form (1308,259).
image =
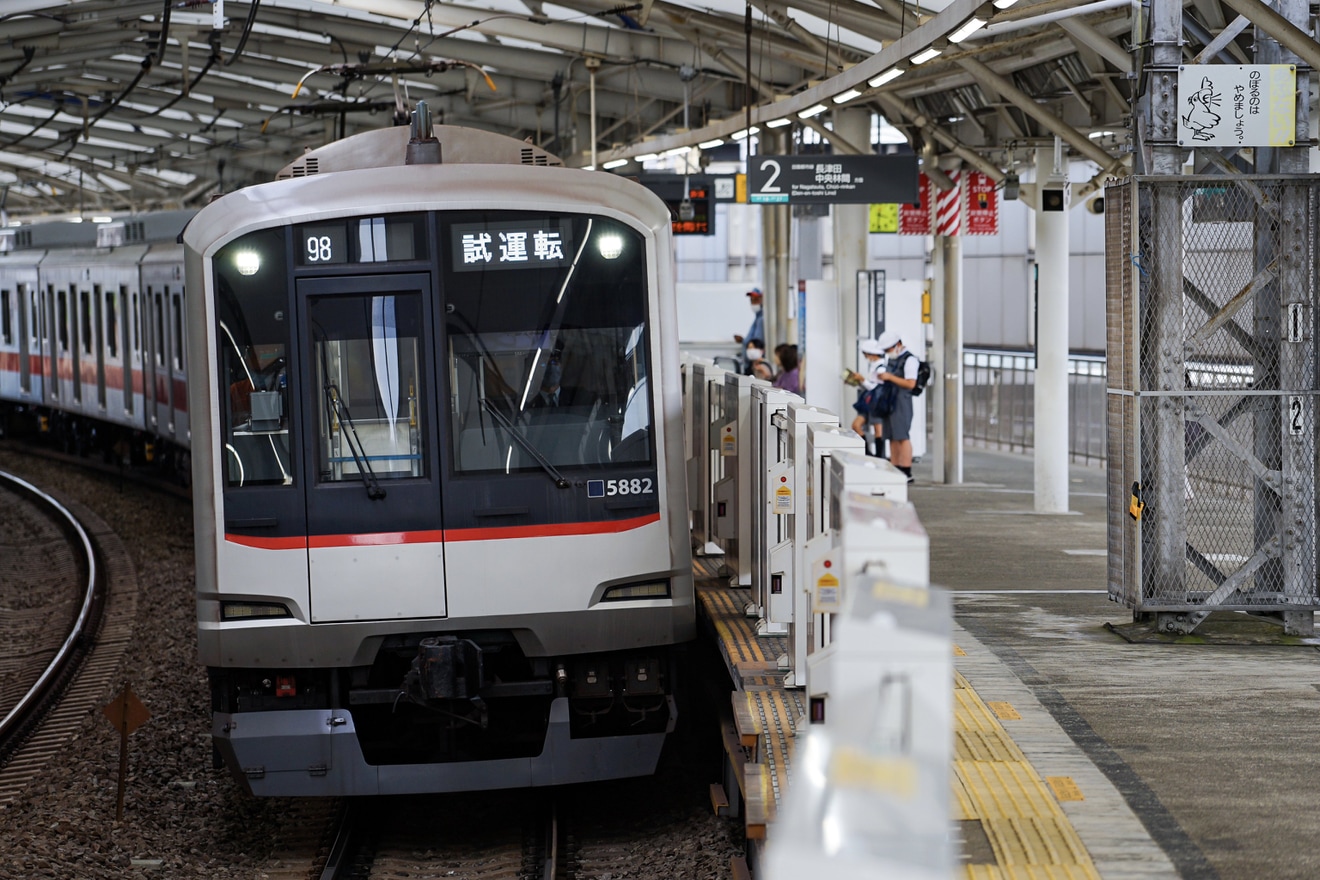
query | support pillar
(949,424)
(1051,394)
(850,229)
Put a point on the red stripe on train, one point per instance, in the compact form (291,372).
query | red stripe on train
(437,536)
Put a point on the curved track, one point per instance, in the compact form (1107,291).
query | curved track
(63,631)
(50,567)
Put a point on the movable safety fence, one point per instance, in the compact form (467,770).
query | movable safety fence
(1212,382)
(834,557)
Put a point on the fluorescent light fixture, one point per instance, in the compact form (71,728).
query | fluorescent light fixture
(646,157)
(1100,134)
(677,151)
(588,167)
(778,123)
(846,96)
(614,163)
(925,55)
(813,111)
(1004,4)
(888,76)
(971,26)
(111,219)
(739,135)
(710,145)
(75,219)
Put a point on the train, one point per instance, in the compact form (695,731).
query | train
(425,388)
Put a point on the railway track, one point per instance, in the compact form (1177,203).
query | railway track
(64,676)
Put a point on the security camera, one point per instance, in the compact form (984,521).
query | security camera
(1096,205)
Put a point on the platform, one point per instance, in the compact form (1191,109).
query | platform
(1078,754)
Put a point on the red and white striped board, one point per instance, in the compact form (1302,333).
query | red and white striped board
(947,207)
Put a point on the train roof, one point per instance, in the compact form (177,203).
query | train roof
(386,147)
(155,228)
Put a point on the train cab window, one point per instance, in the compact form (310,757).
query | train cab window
(546,326)
(252,345)
(6,318)
(366,363)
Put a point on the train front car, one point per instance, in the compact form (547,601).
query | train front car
(438,487)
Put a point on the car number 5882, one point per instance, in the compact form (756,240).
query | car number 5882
(635,486)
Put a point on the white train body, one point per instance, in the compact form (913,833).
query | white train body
(438,487)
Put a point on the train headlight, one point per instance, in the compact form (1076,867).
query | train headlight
(247,262)
(610,245)
(626,592)
(252,610)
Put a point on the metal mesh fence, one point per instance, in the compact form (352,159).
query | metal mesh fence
(1212,384)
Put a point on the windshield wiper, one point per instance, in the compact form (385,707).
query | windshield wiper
(340,409)
(526,444)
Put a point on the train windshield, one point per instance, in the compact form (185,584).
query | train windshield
(546,320)
(251,305)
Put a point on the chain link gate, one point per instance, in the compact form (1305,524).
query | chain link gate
(1211,320)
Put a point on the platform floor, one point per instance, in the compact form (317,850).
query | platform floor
(1078,754)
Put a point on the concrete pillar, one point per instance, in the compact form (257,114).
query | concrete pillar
(940,467)
(850,229)
(948,331)
(1051,396)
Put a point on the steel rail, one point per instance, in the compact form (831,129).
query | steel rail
(63,656)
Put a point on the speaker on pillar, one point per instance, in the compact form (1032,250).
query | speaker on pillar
(1052,199)
(1011,187)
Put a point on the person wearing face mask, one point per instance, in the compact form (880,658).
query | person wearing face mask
(755,332)
(757,365)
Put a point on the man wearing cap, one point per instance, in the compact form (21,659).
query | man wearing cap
(756,331)
(901,370)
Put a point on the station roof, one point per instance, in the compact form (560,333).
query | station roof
(135,105)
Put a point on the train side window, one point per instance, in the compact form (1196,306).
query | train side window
(6,318)
(62,301)
(85,304)
(177,314)
(137,325)
(111,325)
(36,320)
(160,329)
(366,353)
(257,425)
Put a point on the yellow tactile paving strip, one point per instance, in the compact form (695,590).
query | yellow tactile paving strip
(993,783)
(778,726)
(996,785)
(724,608)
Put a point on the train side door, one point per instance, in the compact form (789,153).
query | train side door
(375,548)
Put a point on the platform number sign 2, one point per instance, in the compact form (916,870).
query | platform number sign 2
(1296,420)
